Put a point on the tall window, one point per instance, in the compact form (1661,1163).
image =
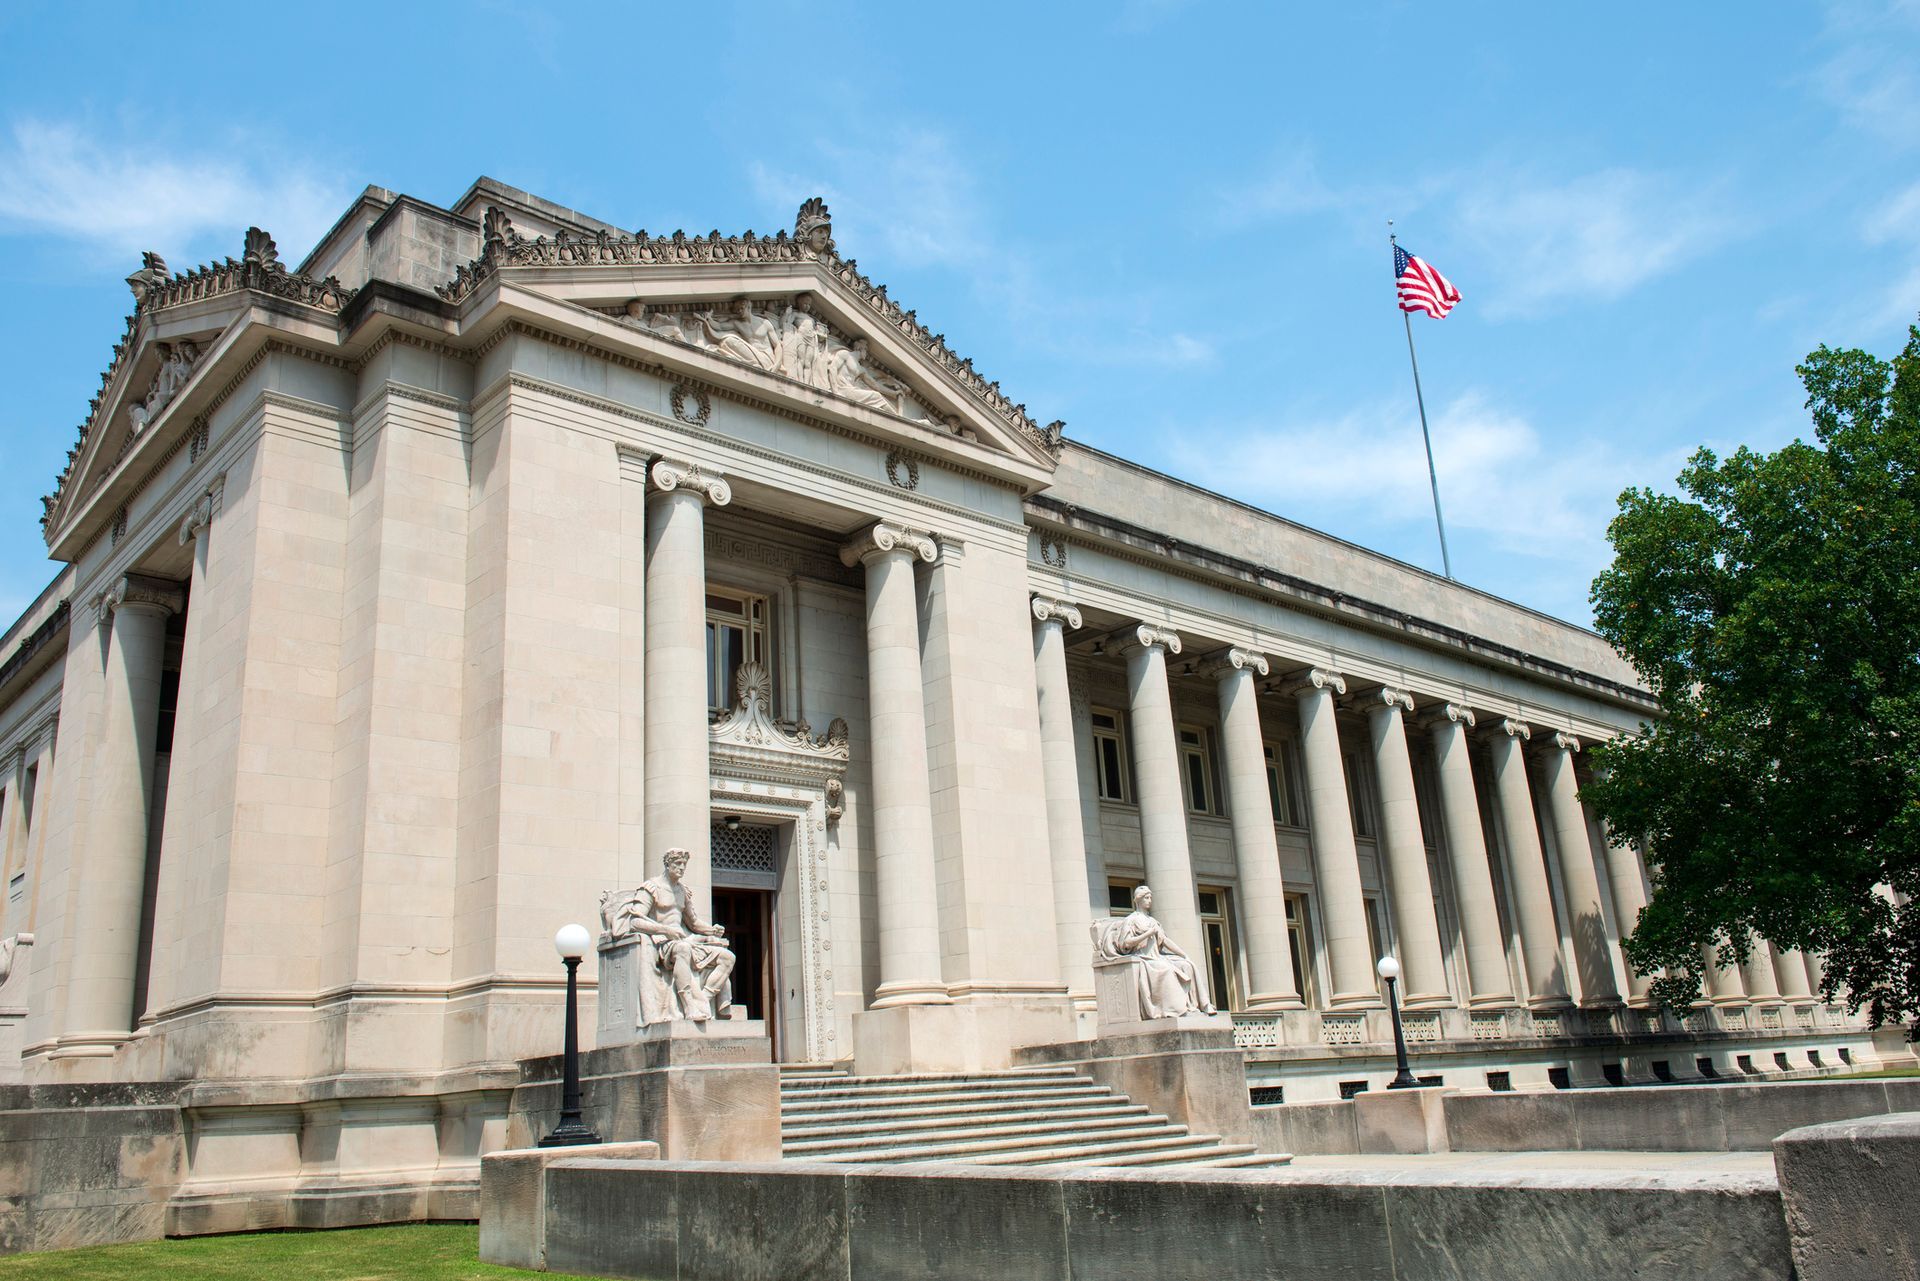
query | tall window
(736,635)
(1110,756)
(1216,928)
(1283,785)
(1196,771)
(1373,926)
(1300,944)
(1360,794)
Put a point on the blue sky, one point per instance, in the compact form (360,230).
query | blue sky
(1163,222)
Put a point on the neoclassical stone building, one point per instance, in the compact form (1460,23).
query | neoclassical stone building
(418,595)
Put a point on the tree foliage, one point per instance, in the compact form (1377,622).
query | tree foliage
(1774,607)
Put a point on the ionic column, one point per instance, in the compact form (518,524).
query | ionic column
(106,935)
(902,801)
(1790,968)
(1066,839)
(1763,986)
(1156,776)
(1415,923)
(1724,985)
(1488,980)
(1263,896)
(13,848)
(1095,893)
(1587,919)
(1533,897)
(677,790)
(1336,861)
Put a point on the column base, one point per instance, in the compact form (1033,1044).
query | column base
(1491,1001)
(966,1037)
(1346,1002)
(909,992)
(1427,1001)
(1273,1002)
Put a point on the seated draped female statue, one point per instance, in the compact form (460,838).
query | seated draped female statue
(1166,981)
(686,964)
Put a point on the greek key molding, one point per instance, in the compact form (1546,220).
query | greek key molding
(1049,609)
(670,474)
(882,539)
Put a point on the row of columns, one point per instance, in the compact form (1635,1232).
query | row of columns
(1157,784)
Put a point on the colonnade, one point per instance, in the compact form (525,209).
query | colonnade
(1392,715)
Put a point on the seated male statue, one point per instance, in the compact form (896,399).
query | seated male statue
(686,964)
(1167,982)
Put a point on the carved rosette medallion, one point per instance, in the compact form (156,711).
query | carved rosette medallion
(691,405)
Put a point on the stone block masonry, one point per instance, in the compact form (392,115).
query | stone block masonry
(790,1222)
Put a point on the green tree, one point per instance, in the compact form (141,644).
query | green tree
(1774,607)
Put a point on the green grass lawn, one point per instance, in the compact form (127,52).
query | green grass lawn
(412,1252)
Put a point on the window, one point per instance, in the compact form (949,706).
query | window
(1196,771)
(1300,944)
(1110,756)
(27,789)
(1360,795)
(1283,785)
(1373,926)
(1216,929)
(736,635)
(17,888)
(1120,897)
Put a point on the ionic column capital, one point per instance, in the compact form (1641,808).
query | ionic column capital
(1447,715)
(201,511)
(1565,742)
(1140,636)
(1225,662)
(137,591)
(1382,698)
(1515,728)
(670,474)
(1051,609)
(881,539)
(1312,681)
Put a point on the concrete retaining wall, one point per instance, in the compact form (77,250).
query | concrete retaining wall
(87,1164)
(1677,1118)
(1850,1190)
(793,1222)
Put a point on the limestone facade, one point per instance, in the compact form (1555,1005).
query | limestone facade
(405,599)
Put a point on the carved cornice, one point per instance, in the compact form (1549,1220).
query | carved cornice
(1234,659)
(670,474)
(812,241)
(259,269)
(1049,609)
(1140,636)
(881,539)
(1515,729)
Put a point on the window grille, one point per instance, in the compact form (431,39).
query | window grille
(746,848)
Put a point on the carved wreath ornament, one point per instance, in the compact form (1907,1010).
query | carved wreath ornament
(903,471)
(691,405)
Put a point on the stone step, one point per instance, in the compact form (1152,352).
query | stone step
(1172,1149)
(809,1082)
(968,1133)
(1011,1150)
(858,1122)
(1217,1154)
(940,1093)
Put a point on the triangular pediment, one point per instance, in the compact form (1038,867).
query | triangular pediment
(785,305)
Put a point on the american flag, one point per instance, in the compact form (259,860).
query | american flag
(1421,287)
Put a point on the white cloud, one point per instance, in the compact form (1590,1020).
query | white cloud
(1871,76)
(122,198)
(1598,236)
(1363,474)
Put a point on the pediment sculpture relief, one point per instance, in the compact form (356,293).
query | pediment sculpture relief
(785,337)
(176,367)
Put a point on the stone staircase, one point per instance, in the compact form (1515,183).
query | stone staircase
(1037,1116)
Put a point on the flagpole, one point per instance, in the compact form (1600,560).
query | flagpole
(1433,477)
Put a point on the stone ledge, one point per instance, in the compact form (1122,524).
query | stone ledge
(1849,1189)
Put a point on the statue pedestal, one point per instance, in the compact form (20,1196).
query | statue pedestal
(703,1092)
(619,1010)
(1116,993)
(1187,1068)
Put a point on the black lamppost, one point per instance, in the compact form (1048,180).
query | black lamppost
(1403,1079)
(571,942)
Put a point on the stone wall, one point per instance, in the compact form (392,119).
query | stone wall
(1680,1118)
(87,1164)
(756,1222)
